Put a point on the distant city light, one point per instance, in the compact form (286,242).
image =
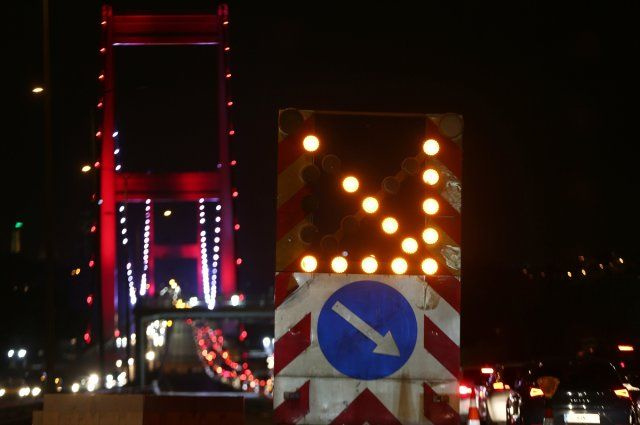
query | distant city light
(22,353)
(10,353)
(167,213)
(18,225)
(150,356)
(75,387)
(235,300)
(37,89)
(86,168)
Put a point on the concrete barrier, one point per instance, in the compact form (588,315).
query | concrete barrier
(139,409)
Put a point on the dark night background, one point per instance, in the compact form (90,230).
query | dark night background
(548,94)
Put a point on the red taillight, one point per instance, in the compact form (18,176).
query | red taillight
(622,393)
(464,391)
(535,392)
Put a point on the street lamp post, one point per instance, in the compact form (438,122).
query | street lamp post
(50,343)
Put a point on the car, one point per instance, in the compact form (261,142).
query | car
(498,386)
(575,391)
(473,385)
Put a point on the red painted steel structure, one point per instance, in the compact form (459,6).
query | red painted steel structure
(153,30)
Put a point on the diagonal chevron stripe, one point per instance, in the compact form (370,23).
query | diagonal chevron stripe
(439,412)
(292,344)
(292,410)
(441,347)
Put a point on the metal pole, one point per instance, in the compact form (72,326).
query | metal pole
(50,345)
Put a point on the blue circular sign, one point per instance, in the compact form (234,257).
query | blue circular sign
(367,330)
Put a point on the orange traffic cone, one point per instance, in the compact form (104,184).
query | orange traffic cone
(548,416)
(474,414)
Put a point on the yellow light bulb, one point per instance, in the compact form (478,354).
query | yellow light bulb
(430,176)
(409,245)
(430,236)
(339,264)
(429,266)
(369,265)
(389,225)
(431,147)
(370,204)
(308,263)
(430,206)
(399,265)
(311,143)
(86,168)
(350,184)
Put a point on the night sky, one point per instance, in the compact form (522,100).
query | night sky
(548,95)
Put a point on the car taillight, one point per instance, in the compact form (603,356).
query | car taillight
(622,393)
(498,386)
(464,391)
(535,392)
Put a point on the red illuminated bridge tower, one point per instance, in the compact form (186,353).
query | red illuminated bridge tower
(130,200)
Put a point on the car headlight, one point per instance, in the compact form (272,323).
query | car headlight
(35,391)
(24,391)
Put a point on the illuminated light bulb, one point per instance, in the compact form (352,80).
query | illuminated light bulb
(236,227)
(409,245)
(430,176)
(308,263)
(431,147)
(339,264)
(226,49)
(399,265)
(37,90)
(430,236)
(234,194)
(167,213)
(430,206)
(370,204)
(350,184)
(232,132)
(311,143)
(239,261)
(369,265)
(86,168)
(228,75)
(230,103)
(389,225)
(429,266)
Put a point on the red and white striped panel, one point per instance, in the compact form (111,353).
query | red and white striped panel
(309,390)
